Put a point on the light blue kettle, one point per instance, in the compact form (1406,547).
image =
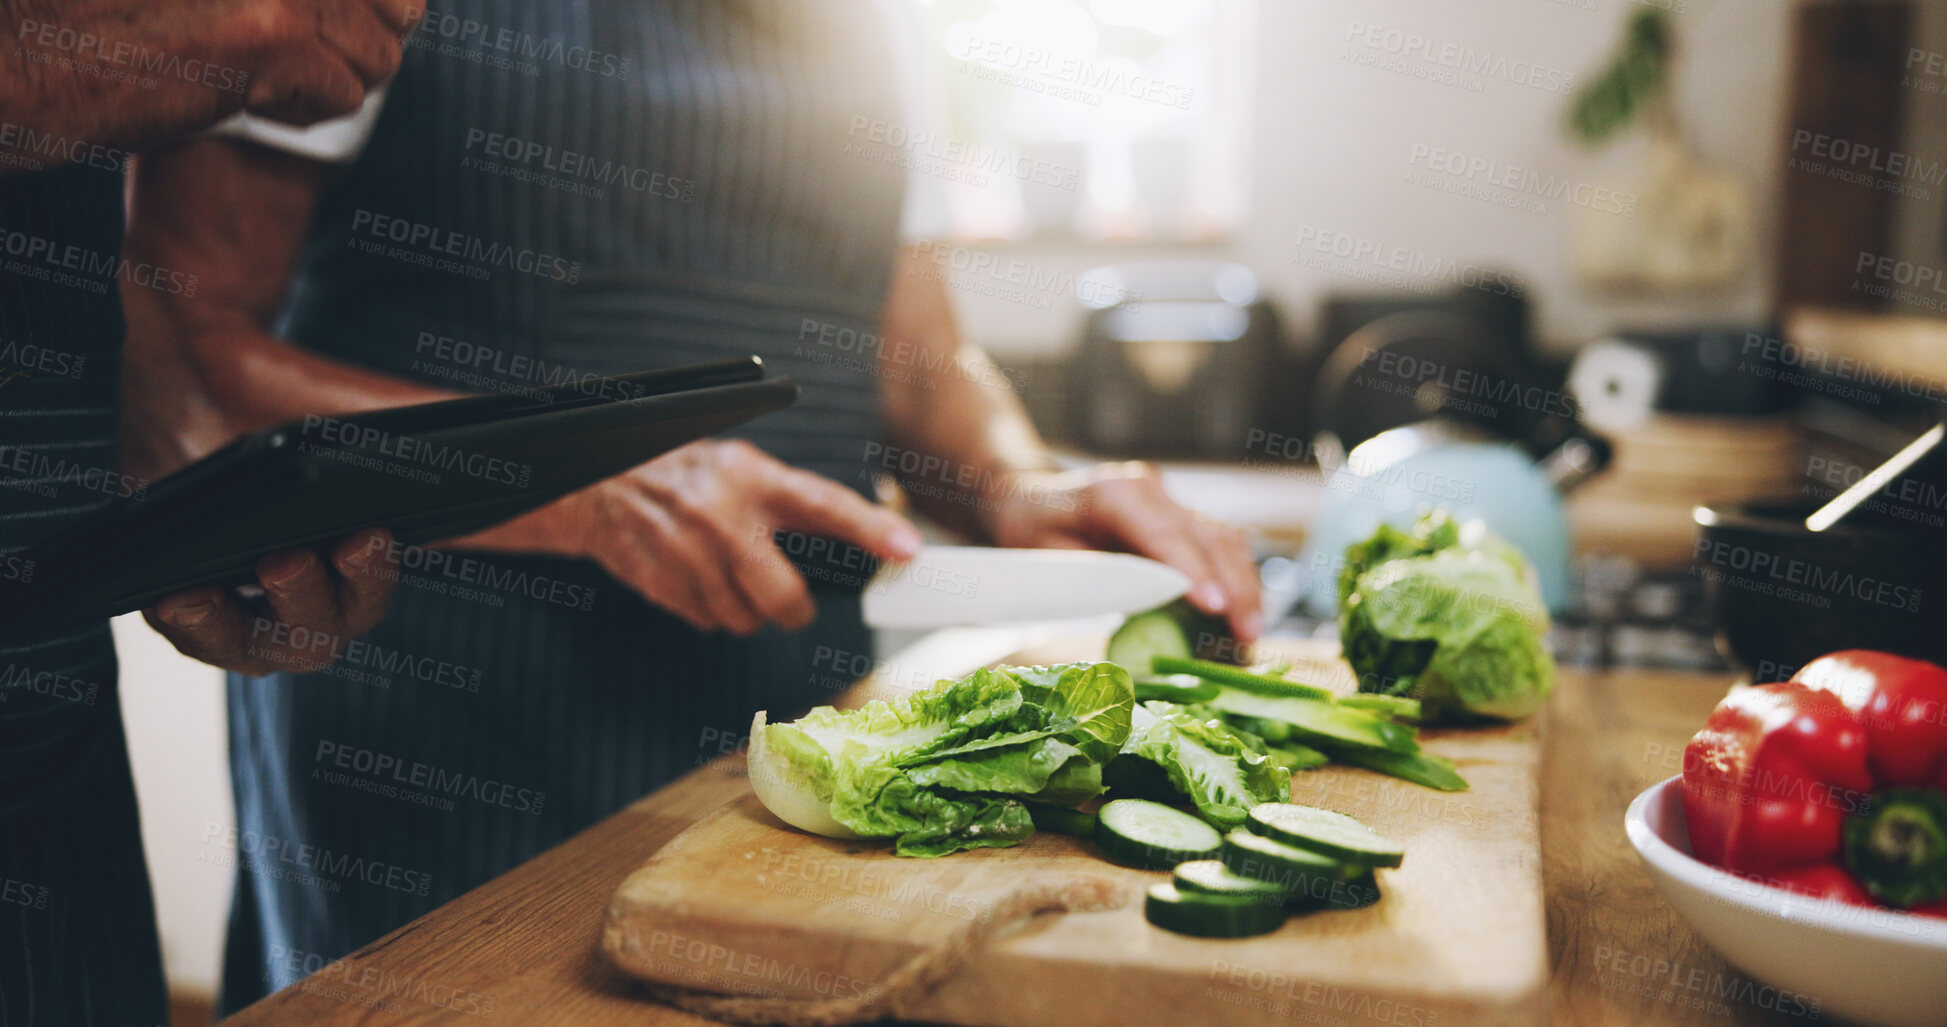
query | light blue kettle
(1395,475)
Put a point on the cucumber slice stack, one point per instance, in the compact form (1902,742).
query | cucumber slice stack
(1298,871)
(1333,835)
(1213,877)
(1287,859)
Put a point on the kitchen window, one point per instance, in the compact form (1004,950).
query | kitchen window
(1091,120)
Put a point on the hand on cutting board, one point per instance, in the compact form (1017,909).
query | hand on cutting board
(691,531)
(1123,507)
(313,606)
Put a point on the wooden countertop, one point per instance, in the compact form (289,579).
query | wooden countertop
(522,949)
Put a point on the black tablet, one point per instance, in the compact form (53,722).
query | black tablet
(428,472)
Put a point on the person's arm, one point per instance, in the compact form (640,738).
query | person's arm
(93,80)
(945,399)
(201,366)
(171,416)
(689,531)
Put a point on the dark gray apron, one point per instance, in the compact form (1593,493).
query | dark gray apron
(556,191)
(77,927)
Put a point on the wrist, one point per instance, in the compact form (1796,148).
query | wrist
(1015,494)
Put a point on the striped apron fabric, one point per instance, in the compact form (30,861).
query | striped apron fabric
(77,924)
(556,192)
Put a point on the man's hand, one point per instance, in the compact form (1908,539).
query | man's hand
(309,612)
(133,73)
(1123,507)
(691,532)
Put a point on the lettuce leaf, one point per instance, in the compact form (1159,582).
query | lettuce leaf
(926,821)
(1088,704)
(943,769)
(814,746)
(1222,771)
(1021,769)
(1075,783)
(976,824)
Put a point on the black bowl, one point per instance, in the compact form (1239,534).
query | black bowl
(1781,595)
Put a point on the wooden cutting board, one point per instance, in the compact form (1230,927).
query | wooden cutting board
(742,904)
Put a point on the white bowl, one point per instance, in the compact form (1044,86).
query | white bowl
(1869,965)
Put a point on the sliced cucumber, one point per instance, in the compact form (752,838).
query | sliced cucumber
(1206,915)
(1313,721)
(1146,635)
(1421,768)
(1297,871)
(1182,689)
(1325,832)
(1150,835)
(1061,820)
(1235,677)
(1398,707)
(1212,877)
(1297,757)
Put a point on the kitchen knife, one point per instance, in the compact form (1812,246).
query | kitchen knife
(949,586)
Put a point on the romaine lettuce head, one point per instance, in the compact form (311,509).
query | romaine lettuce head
(1430,534)
(942,769)
(1459,627)
(1224,772)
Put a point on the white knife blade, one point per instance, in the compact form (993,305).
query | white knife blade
(953,586)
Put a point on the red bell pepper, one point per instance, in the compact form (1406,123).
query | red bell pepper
(1898,849)
(1769,781)
(1902,705)
(1843,766)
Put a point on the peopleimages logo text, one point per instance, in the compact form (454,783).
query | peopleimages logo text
(1111,78)
(265,851)
(430,239)
(453,30)
(423,775)
(1524,181)
(1414,46)
(1790,571)
(378,442)
(95,267)
(60,148)
(120,53)
(574,165)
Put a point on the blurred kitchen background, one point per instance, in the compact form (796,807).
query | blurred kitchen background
(1614,260)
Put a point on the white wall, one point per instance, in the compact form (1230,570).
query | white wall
(173,709)
(1332,139)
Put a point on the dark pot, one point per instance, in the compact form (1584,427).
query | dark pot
(1781,595)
